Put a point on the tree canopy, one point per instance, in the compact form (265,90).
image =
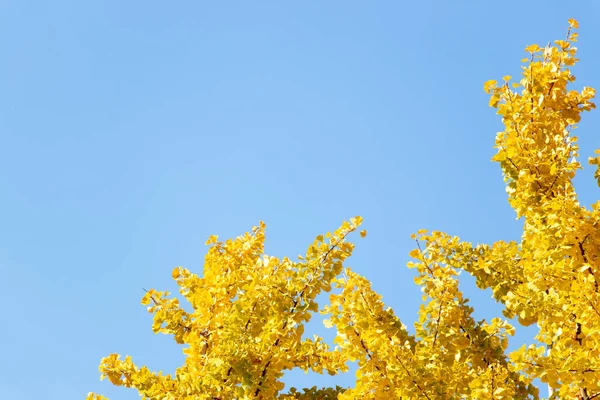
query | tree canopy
(249,310)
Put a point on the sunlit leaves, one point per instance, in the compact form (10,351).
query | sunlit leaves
(247,322)
(245,327)
(550,277)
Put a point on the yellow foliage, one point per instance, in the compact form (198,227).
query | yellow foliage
(249,309)
(550,277)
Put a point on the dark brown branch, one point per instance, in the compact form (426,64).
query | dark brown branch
(437,327)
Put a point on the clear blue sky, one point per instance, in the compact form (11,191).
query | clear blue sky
(130,131)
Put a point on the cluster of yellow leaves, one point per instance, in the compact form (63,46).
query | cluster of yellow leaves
(450,357)
(249,309)
(247,323)
(551,276)
(247,328)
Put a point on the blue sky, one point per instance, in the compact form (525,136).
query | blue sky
(130,131)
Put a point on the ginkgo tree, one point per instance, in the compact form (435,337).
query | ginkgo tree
(249,310)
